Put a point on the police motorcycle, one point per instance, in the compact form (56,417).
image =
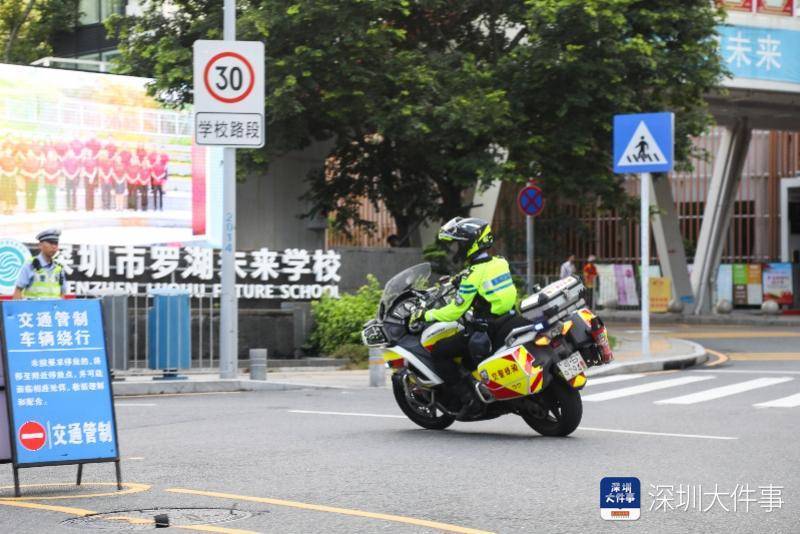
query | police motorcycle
(537,373)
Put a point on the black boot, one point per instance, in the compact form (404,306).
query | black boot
(465,390)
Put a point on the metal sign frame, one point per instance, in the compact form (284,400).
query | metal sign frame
(16,466)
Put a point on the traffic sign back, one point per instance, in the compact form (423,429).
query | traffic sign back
(644,142)
(531,200)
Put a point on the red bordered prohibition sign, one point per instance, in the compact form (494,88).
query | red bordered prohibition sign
(209,87)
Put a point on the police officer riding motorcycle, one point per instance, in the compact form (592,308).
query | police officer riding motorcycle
(484,302)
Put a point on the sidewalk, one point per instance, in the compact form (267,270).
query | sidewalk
(737,318)
(667,353)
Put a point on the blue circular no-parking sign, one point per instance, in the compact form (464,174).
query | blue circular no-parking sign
(531,200)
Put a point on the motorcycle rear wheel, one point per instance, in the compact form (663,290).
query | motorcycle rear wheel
(420,416)
(563,414)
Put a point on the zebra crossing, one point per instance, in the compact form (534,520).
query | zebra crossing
(705,388)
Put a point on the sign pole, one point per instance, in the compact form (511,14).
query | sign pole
(229,307)
(529,239)
(644,143)
(645,248)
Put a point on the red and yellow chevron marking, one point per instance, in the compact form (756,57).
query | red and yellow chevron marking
(394,359)
(536,381)
(578,381)
(587,316)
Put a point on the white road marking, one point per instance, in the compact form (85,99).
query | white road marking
(349,413)
(748,371)
(791,401)
(666,434)
(644,388)
(591,429)
(725,391)
(138,404)
(613,378)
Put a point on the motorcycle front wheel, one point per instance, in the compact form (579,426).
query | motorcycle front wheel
(419,412)
(557,412)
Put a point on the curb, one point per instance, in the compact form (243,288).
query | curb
(698,356)
(165,387)
(730,319)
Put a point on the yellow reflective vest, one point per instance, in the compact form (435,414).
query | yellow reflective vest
(490,281)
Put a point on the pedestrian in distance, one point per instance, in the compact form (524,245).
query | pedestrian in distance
(568,267)
(589,279)
(42,277)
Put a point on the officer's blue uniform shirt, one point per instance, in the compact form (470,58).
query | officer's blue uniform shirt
(26,273)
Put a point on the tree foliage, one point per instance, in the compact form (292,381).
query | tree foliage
(27,27)
(417,98)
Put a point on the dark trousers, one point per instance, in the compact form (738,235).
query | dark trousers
(72,194)
(51,196)
(89,196)
(105,195)
(141,194)
(132,196)
(589,297)
(158,197)
(31,190)
(444,352)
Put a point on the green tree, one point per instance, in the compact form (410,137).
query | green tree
(27,27)
(585,61)
(416,98)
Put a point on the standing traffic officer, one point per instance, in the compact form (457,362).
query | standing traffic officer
(42,277)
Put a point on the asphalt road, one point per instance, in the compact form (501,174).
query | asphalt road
(347,461)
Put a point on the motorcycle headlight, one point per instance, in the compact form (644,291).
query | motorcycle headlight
(373,335)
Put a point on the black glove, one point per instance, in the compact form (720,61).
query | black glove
(416,319)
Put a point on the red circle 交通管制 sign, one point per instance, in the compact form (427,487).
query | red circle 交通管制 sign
(32,436)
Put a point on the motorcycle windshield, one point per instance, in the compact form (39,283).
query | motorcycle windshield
(416,277)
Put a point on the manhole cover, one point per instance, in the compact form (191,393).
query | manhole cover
(152,518)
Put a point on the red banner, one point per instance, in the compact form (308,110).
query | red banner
(776,7)
(736,5)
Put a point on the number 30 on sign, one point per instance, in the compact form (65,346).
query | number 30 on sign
(229,93)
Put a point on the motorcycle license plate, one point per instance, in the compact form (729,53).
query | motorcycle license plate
(572,366)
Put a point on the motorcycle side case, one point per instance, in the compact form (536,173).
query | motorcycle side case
(511,374)
(555,302)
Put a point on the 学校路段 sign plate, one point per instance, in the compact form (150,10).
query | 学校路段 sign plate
(229,93)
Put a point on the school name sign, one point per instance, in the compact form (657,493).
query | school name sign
(289,274)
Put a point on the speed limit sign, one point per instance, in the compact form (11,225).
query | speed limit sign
(229,93)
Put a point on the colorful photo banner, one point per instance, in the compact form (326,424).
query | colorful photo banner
(725,283)
(754,291)
(778,283)
(95,155)
(739,284)
(626,285)
(606,284)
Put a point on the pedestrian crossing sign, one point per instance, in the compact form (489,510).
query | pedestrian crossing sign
(644,142)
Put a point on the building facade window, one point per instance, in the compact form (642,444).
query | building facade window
(96,11)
